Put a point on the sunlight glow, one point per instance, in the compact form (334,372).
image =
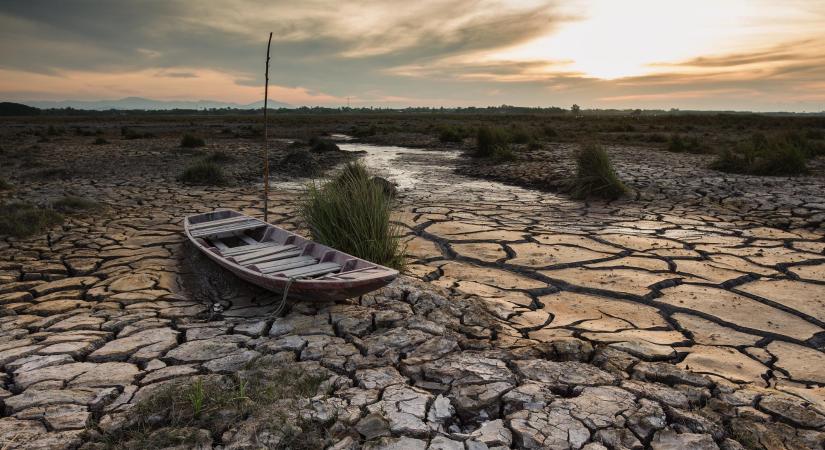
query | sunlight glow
(617,39)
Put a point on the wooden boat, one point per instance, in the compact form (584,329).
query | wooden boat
(275,259)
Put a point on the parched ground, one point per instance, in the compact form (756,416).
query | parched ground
(541,322)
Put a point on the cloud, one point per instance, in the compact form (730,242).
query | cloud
(430,52)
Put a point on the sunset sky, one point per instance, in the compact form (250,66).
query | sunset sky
(694,54)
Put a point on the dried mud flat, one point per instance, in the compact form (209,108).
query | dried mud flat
(543,322)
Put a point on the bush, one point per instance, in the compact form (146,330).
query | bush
(53,173)
(100,141)
(4,185)
(550,132)
(352,213)
(220,156)
(684,145)
(128,133)
(815,134)
(300,161)
(191,141)
(762,155)
(320,145)
(203,172)
(490,140)
(73,204)
(447,133)
(595,176)
(187,413)
(24,219)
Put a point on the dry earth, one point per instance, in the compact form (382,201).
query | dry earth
(546,323)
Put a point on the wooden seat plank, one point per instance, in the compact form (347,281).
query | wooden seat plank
(248,248)
(290,263)
(214,223)
(279,262)
(275,257)
(228,228)
(314,270)
(261,253)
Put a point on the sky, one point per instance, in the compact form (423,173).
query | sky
(759,55)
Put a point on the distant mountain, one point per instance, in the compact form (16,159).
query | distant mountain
(16,109)
(147,104)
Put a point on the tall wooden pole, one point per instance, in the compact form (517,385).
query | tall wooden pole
(266,136)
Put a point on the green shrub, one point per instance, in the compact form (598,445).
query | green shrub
(73,204)
(490,140)
(175,414)
(815,134)
(4,185)
(24,219)
(203,172)
(447,133)
(100,141)
(320,145)
(351,213)
(53,173)
(128,133)
(518,134)
(220,156)
(300,161)
(770,156)
(690,144)
(550,132)
(191,141)
(595,176)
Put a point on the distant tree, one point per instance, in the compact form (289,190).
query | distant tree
(575,109)
(17,109)
(636,113)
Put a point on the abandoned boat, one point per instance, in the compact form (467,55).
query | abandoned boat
(276,259)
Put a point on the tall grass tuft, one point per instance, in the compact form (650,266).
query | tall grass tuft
(203,172)
(763,155)
(24,219)
(351,213)
(491,140)
(191,141)
(73,204)
(595,176)
(4,185)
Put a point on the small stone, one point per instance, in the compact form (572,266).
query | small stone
(493,433)
(670,440)
(373,426)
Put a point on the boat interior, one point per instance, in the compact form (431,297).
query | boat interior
(273,252)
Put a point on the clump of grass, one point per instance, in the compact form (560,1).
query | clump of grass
(100,141)
(203,172)
(4,185)
(301,162)
(73,204)
(174,414)
(25,219)
(321,145)
(191,141)
(689,144)
(220,156)
(52,173)
(352,213)
(595,176)
(770,156)
(448,133)
(129,134)
(491,141)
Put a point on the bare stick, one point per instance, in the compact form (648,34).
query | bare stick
(266,136)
